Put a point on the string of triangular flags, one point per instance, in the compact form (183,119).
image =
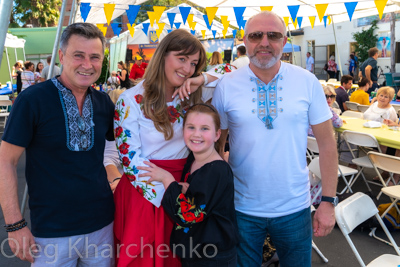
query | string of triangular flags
(155,15)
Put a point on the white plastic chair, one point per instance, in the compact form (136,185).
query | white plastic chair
(362,108)
(332,80)
(343,171)
(364,141)
(4,106)
(352,105)
(353,114)
(354,210)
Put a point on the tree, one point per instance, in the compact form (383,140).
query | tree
(365,40)
(39,13)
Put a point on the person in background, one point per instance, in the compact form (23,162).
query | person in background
(216,59)
(38,72)
(27,76)
(46,70)
(341,92)
(123,75)
(352,65)
(310,63)
(369,69)
(243,59)
(113,79)
(16,74)
(361,96)
(381,109)
(332,67)
(61,125)
(138,69)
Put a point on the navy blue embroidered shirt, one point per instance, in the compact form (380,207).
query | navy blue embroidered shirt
(68,190)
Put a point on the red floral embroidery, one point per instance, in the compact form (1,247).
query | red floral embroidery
(140,190)
(227,69)
(154,191)
(124,148)
(139,98)
(131,177)
(173,114)
(118,131)
(116,115)
(188,210)
(126,161)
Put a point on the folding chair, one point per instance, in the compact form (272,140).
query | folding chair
(343,171)
(352,105)
(4,107)
(363,141)
(362,108)
(354,210)
(353,114)
(332,80)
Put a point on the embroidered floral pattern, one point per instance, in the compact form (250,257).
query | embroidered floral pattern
(188,212)
(224,68)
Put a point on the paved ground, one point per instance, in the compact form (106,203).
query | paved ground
(334,247)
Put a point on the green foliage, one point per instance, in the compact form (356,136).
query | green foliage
(39,13)
(365,40)
(104,69)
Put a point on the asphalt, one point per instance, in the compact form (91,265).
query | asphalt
(334,246)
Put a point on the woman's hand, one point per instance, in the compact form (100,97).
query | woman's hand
(185,186)
(156,174)
(390,122)
(189,86)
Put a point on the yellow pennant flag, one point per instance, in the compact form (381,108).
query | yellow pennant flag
(158,32)
(286,20)
(211,11)
(295,23)
(266,8)
(380,5)
(203,32)
(108,11)
(242,33)
(190,19)
(224,19)
(152,17)
(193,25)
(131,28)
(312,21)
(158,10)
(329,20)
(102,28)
(226,25)
(224,33)
(161,26)
(321,8)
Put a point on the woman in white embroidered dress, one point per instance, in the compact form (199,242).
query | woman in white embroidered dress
(148,127)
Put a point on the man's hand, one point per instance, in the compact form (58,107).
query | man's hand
(324,219)
(22,244)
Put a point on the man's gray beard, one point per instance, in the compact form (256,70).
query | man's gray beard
(254,60)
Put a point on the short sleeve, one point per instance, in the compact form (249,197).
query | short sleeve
(218,102)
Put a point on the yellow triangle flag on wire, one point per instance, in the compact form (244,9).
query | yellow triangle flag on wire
(193,25)
(242,33)
(158,32)
(266,8)
(158,10)
(329,20)
(224,33)
(224,19)
(380,5)
(190,19)
(152,17)
(131,28)
(226,25)
(211,11)
(102,29)
(161,26)
(321,8)
(286,20)
(203,33)
(295,23)
(312,21)
(108,11)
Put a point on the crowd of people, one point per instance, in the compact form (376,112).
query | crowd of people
(140,177)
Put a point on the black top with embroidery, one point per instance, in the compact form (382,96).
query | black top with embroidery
(205,215)
(68,189)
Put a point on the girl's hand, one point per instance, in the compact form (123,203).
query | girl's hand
(185,186)
(113,185)
(156,174)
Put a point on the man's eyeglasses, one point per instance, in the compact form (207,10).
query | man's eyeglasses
(255,37)
(330,96)
(82,128)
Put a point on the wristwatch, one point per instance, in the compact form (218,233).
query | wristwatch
(333,200)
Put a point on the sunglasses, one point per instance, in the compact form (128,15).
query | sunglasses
(255,37)
(330,96)
(82,128)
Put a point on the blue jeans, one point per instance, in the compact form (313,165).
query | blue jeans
(291,235)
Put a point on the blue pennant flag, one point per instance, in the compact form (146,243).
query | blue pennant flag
(239,13)
(177,25)
(234,33)
(184,12)
(169,31)
(85,9)
(193,32)
(242,24)
(293,11)
(350,6)
(207,23)
(214,32)
(116,29)
(132,12)
(171,18)
(325,19)
(299,21)
(145,27)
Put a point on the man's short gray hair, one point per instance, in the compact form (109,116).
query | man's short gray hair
(266,14)
(86,30)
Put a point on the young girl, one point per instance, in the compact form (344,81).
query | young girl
(202,204)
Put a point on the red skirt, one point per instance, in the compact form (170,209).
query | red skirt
(141,230)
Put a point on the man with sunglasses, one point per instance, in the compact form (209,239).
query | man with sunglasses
(61,125)
(267,107)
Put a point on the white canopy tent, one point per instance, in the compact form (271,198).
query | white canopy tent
(13,42)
